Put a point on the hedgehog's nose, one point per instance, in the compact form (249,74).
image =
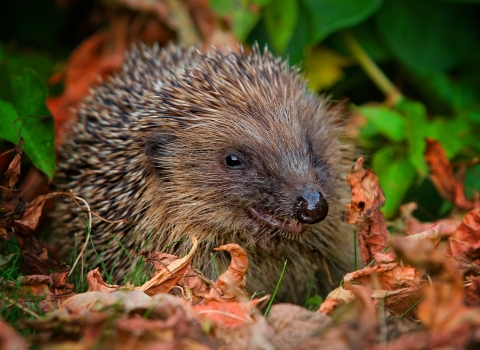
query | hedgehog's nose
(311,208)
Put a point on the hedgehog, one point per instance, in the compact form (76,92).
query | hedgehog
(227,147)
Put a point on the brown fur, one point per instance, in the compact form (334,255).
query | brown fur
(149,146)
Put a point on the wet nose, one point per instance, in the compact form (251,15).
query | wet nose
(311,208)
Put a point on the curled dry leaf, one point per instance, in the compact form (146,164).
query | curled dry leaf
(465,241)
(472,297)
(355,325)
(227,315)
(166,322)
(448,185)
(412,226)
(13,171)
(31,216)
(172,273)
(398,286)
(230,286)
(293,325)
(187,283)
(97,301)
(367,198)
(367,195)
(336,297)
(36,285)
(433,234)
(443,312)
(9,339)
(97,284)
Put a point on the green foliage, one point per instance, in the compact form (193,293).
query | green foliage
(28,116)
(428,42)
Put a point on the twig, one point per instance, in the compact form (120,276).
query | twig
(371,69)
(86,239)
(21,307)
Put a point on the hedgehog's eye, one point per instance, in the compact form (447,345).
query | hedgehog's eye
(233,161)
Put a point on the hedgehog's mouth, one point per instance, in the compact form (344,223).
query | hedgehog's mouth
(282,224)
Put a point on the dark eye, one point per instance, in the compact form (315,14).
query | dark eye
(233,161)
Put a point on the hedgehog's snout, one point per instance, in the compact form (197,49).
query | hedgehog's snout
(311,208)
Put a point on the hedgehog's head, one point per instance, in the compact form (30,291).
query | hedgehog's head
(246,149)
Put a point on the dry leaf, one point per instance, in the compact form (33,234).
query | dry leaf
(465,241)
(13,171)
(292,325)
(171,273)
(186,282)
(31,216)
(226,315)
(336,297)
(230,286)
(97,284)
(412,226)
(398,286)
(9,339)
(472,297)
(367,198)
(367,195)
(355,328)
(433,234)
(448,185)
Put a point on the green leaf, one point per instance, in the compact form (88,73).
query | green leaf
(280,19)
(11,124)
(329,16)
(30,116)
(454,134)
(29,94)
(245,14)
(395,175)
(426,35)
(417,129)
(388,122)
(472,181)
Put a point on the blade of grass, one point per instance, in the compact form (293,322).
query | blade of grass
(276,288)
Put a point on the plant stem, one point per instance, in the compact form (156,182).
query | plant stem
(276,289)
(371,69)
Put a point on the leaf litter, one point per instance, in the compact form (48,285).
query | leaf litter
(419,290)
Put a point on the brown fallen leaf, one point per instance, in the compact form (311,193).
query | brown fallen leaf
(364,209)
(335,298)
(412,226)
(9,339)
(230,285)
(29,220)
(293,325)
(448,185)
(8,217)
(367,195)
(433,234)
(354,325)
(226,315)
(166,322)
(443,312)
(188,284)
(171,273)
(472,297)
(13,171)
(97,284)
(464,243)
(398,286)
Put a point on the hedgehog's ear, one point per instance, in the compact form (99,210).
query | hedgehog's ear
(157,146)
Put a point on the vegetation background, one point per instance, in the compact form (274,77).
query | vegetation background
(429,51)
(406,70)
